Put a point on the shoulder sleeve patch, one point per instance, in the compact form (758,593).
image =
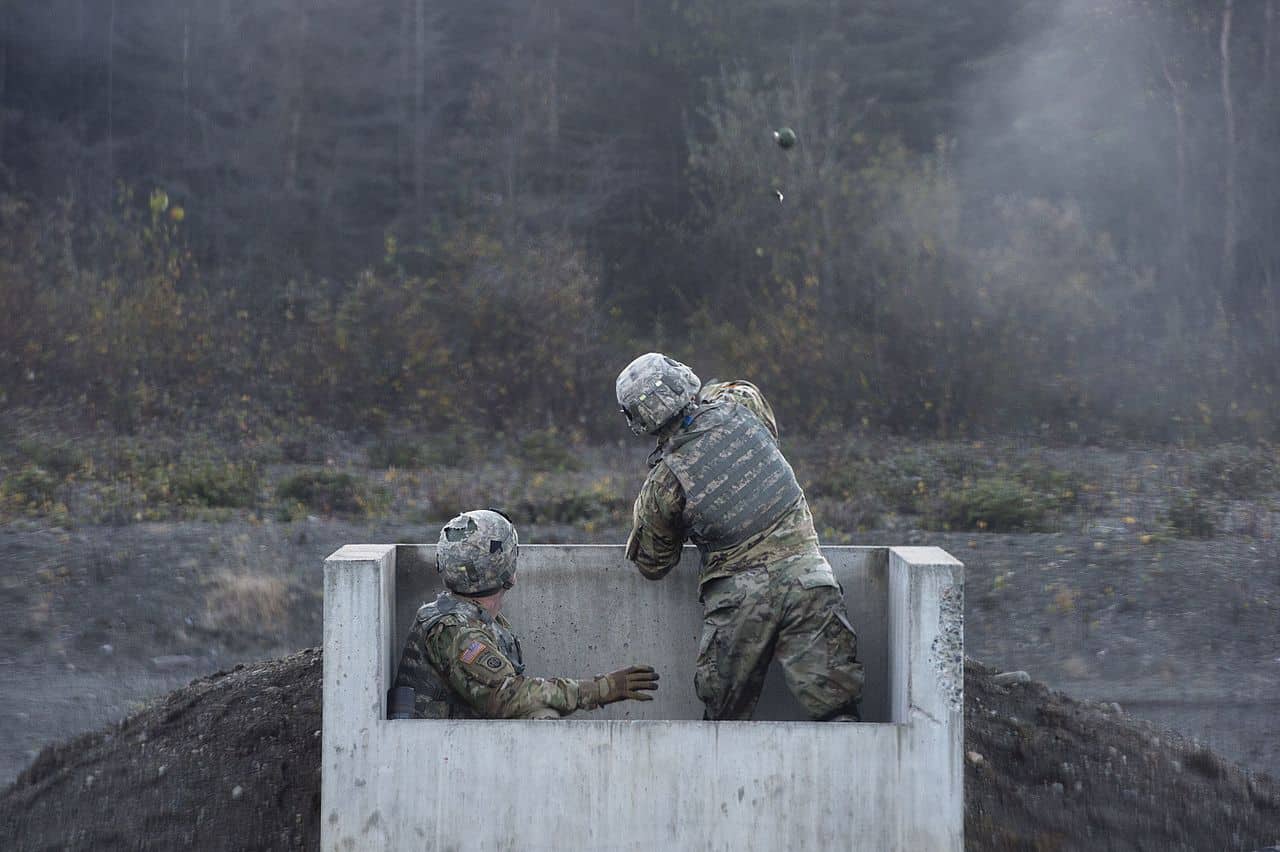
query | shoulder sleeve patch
(490,668)
(472,652)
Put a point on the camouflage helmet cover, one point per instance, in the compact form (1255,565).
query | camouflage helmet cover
(477,552)
(654,388)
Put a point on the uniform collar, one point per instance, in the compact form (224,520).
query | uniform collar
(477,610)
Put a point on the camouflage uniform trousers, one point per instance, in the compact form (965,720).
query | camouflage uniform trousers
(792,610)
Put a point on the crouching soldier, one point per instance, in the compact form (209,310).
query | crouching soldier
(462,658)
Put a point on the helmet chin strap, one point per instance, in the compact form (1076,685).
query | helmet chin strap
(485,593)
(679,420)
(490,602)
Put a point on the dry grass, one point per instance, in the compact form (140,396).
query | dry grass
(245,602)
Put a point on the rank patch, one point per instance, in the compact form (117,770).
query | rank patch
(474,650)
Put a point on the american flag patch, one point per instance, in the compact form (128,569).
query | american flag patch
(474,650)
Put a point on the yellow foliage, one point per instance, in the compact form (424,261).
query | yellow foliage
(1064,600)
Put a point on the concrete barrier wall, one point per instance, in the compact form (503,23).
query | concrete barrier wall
(640,776)
(583,610)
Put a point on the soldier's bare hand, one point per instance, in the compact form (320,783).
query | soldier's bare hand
(633,682)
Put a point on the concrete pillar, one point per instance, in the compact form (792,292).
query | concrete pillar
(359,583)
(926,685)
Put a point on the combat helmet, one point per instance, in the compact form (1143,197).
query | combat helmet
(477,551)
(652,389)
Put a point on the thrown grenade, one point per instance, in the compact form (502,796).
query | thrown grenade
(785,137)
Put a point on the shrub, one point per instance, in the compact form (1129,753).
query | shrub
(329,492)
(31,487)
(395,452)
(600,501)
(453,449)
(229,485)
(860,513)
(1060,488)
(61,459)
(828,481)
(475,338)
(996,504)
(902,492)
(1236,471)
(959,461)
(1190,516)
(548,450)
(460,491)
(840,476)
(303,441)
(899,482)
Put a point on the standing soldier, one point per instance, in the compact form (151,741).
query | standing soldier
(718,479)
(463,661)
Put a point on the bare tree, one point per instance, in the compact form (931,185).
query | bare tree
(553,75)
(1268,33)
(1229,160)
(419,95)
(1175,77)
(111,94)
(294,111)
(186,83)
(1177,99)
(4,64)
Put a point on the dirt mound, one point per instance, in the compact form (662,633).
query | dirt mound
(233,762)
(1046,772)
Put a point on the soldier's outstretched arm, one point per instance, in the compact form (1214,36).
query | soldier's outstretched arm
(657,529)
(487,680)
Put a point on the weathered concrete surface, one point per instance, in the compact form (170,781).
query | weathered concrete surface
(583,610)
(650,776)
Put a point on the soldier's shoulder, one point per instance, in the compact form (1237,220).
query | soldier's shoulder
(452,633)
(448,615)
(461,618)
(747,395)
(661,473)
(439,609)
(739,390)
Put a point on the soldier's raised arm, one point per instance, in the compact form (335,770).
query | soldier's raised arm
(657,529)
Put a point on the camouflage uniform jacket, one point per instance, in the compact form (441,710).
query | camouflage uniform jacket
(463,662)
(658,525)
